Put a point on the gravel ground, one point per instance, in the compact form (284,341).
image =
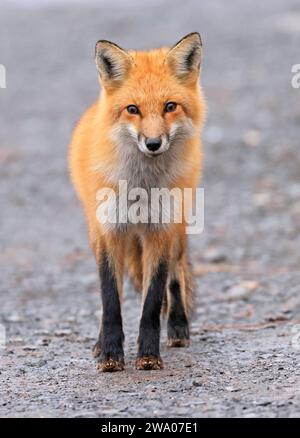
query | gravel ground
(244,359)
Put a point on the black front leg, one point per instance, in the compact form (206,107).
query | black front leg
(109,346)
(149,335)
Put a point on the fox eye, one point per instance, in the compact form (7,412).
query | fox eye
(132,109)
(170,107)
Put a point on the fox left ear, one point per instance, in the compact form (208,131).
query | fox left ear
(113,63)
(184,58)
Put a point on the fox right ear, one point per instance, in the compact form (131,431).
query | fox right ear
(184,58)
(112,62)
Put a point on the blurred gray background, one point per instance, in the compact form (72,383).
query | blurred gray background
(244,359)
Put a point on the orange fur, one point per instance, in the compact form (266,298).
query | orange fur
(149,82)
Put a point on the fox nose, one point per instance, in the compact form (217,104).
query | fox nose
(153,144)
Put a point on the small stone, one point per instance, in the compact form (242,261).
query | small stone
(262,199)
(232,389)
(252,138)
(29,348)
(43,342)
(263,402)
(242,289)
(214,255)
(63,332)
(14,317)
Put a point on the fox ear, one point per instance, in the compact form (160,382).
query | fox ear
(112,62)
(184,58)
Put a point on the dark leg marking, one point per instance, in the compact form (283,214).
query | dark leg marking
(178,326)
(109,346)
(148,357)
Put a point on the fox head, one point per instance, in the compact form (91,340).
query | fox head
(152,98)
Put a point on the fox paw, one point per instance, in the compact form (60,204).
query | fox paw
(111,365)
(178,335)
(149,363)
(178,343)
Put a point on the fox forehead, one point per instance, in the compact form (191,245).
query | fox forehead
(150,81)
(151,61)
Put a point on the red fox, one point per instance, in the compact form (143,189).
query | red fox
(145,129)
